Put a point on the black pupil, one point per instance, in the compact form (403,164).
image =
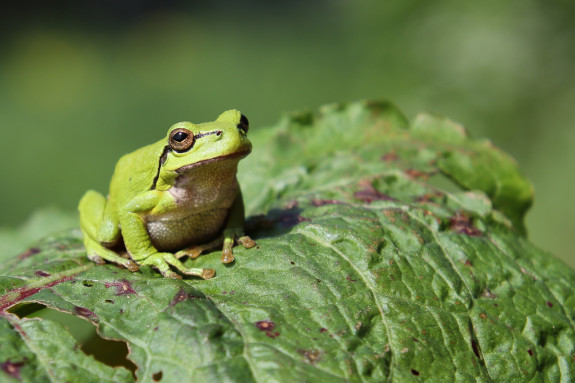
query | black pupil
(244,121)
(180,136)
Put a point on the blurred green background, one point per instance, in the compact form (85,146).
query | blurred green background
(82,83)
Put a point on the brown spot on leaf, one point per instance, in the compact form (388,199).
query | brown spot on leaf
(483,316)
(549,304)
(428,197)
(530,352)
(84,312)
(272,335)
(157,376)
(12,368)
(41,273)
(109,301)
(265,325)
(417,173)
(461,223)
(322,202)
(290,219)
(348,277)
(369,194)
(414,372)
(312,356)
(323,329)
(390,157)
(28,253)
(123,287)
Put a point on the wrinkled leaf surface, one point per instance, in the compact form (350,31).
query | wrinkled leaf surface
(386,251)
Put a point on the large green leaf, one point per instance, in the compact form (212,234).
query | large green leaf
(387,251)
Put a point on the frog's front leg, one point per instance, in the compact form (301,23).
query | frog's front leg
(95,214)
(235,230)
(139,244)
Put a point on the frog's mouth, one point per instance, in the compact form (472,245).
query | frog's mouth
(232,156)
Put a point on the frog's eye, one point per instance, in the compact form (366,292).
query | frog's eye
(181,140)
(244,124)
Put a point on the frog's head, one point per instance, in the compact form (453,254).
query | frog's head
(191,145)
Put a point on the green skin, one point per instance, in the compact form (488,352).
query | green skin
(168,200)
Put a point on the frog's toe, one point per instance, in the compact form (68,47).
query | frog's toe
(196,250)
(246,241)
(208,273)
(171,274)
(131,265)
(165,270)
(96,259)
(192,252)
(227,256)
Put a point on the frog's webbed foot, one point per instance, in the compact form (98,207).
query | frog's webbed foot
(197,250)
(227,252)
(163,261)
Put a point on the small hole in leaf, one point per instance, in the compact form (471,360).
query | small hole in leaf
(157,376)
(111,352)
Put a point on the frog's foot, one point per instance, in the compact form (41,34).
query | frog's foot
(227,252)
(163,261)
(196,251)
(246,241)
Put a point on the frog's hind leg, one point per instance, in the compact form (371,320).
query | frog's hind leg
(92,208)
(99,254)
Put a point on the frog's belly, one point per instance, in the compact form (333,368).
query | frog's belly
(175,234)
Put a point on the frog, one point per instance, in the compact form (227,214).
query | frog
(174,198)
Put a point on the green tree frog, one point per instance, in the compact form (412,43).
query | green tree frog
(175,198)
